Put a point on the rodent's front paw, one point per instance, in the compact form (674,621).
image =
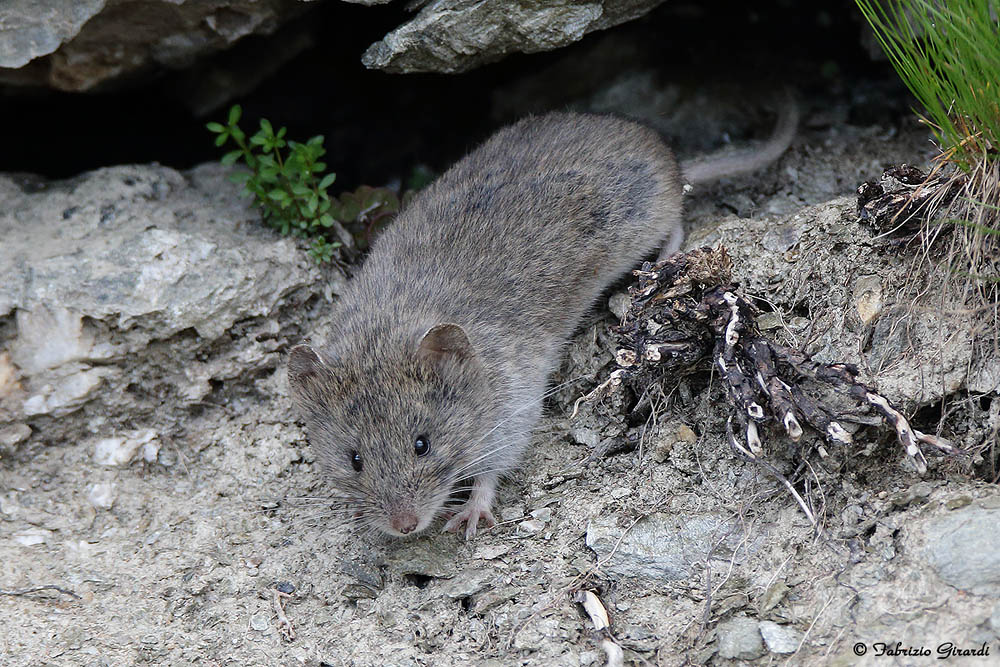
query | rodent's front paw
(471,514)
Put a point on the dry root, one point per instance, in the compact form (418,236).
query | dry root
(900,201)
(685,310)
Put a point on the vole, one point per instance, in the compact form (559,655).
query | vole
(434,372)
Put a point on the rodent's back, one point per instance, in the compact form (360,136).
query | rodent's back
(517,239)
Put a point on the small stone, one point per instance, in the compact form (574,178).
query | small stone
(120,450)
(740,639)
(511,513)
(780,638)
(466,583)
(14,435)
(261,622)
(868,301)
(618,303)
(958,503)
(586,436)
(31,536)
(531,526)
(102,495)
(620,492)
(543,514)
(773,596)
(491,551)
(285,587)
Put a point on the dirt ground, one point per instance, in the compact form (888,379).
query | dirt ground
(218,550)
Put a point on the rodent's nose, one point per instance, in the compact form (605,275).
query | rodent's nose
(404,522)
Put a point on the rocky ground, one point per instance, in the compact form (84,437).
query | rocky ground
(160,504)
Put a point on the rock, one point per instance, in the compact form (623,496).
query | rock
(543,514)
(123,281)
(491,551)
(87,42)
(963,548)
(459,35)
(119,451)
(31,536)
(33,28)
(466,583)
(780,638)
(102,495)
(740,639)
(13,435)
(425,557)
(531,526)
(664,546)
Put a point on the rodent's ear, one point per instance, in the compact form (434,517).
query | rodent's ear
(446,341)
(306,371)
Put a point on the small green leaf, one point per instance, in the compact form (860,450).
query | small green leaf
(265,126)
(319,166)
(239,176)
(234,114)
(221,139)
(326,220)
(238,134)
(327,181)
(215,127)
(230,158)
(278,195)
(258,139)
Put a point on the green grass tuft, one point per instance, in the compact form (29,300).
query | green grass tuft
(948,54)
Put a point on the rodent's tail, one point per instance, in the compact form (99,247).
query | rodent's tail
(710,168)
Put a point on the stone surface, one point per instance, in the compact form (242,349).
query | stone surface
(780,638)
(119,280)
(963,548)
(740,639)
(459,35)
(78,44)
(662,546)
(32,28)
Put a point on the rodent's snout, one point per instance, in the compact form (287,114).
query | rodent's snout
(404,522)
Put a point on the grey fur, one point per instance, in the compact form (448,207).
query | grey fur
(453,325)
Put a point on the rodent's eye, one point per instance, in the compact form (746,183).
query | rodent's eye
(356,460)
(422,445)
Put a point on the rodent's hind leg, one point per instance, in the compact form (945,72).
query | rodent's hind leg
(484,489)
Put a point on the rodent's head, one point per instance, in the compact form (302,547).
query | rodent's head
(396,431)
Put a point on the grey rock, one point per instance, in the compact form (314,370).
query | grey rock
(87,42)
(467,583)
(32,28)
(740,639)
(963,548)
(125,277)
(459,35)
(665,546)
(425,557)
(780,638)
(14,434)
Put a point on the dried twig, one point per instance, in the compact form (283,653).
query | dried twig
(602,624)
(37,589)
(284,625)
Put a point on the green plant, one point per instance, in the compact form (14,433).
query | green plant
(948,55)
(288,186)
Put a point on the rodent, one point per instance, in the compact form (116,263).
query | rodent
(435,368)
